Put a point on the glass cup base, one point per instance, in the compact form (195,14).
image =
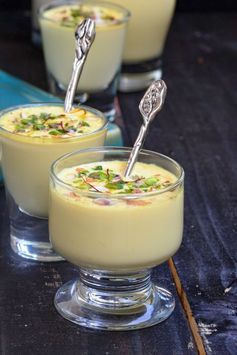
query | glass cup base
(114,302)
(136,82)
(139,76)
(29,237)
(38,251)
(103,100)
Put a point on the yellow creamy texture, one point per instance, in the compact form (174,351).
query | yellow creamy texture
(115,232)
(143,170)
(49,121)
(70,15)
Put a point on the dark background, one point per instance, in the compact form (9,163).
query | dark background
(182,5)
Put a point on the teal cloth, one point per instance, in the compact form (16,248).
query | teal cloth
(14,92)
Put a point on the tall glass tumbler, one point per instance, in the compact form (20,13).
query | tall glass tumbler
(99,79)
(26,162)
(145,41)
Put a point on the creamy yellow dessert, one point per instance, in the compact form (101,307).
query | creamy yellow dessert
(99,219)
(147,28)
(103,62)
(32,138)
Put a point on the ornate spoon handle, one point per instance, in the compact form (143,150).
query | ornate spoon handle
(85,35)
(150,105)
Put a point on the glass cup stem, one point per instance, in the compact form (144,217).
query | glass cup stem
(114,291)
(114,301)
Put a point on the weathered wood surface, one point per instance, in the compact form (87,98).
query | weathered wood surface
(198,128)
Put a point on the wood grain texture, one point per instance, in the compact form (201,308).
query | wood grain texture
(198,128)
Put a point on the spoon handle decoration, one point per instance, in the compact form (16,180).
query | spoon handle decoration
(150,105)
(85,35)
(153,100)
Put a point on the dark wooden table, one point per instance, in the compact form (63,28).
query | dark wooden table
(198,128)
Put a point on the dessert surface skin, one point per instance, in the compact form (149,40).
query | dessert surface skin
(32,138)
(71,15)
(135,223)
(50,122)
(103,61)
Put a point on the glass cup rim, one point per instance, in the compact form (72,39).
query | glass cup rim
(92,194)
(5,132)
(56,3)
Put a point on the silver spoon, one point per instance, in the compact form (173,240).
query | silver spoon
(85,35)
(150,105)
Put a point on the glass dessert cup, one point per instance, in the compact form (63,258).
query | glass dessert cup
(26,162)
(115,240)
(99,79)
(145,41)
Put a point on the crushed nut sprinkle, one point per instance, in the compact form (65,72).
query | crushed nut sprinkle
(72,15)
(104,180)
(43,123)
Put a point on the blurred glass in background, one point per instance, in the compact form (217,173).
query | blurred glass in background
(145,41)
(99,80)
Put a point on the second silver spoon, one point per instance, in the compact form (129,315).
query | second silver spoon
(150,105)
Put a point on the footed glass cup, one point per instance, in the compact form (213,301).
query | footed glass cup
(115,240)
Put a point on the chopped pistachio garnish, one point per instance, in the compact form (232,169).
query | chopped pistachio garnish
(54,125)
(50,122)
(104,180)
(72,15)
